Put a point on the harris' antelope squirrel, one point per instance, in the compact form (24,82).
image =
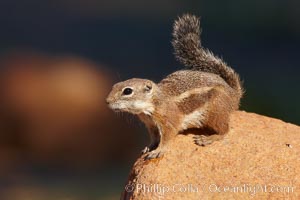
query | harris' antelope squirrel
(201,95)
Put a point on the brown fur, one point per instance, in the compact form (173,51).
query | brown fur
(201,96)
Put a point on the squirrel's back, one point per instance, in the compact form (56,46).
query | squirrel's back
(188,50)
(184,80)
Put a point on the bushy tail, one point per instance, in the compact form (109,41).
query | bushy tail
(188,50)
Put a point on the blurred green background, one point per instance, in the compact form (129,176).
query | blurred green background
(59,58)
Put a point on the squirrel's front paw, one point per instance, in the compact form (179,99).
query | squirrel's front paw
(154,154)
(145,150)
(150,148)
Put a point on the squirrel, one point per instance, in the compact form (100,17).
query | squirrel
(200,96)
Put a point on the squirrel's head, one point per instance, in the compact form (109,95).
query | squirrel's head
(134,96)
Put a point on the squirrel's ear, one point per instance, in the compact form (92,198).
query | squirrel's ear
(148,87)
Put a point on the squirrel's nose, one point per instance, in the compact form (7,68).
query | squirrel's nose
(108,100)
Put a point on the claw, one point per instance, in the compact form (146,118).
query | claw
(202,140)
(154,154)
(145,150)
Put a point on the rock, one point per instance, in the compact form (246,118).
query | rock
(258,159)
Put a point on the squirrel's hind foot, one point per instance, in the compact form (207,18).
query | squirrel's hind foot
(203,140)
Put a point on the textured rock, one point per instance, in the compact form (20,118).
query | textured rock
(258,159)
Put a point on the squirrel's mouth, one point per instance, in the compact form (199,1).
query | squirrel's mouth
(123,107)
(115,108)
(119,108)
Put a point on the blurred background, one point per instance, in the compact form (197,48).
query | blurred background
(59,59)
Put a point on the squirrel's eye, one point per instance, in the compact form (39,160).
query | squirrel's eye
(127,91)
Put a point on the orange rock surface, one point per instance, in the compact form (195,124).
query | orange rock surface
(258,159)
